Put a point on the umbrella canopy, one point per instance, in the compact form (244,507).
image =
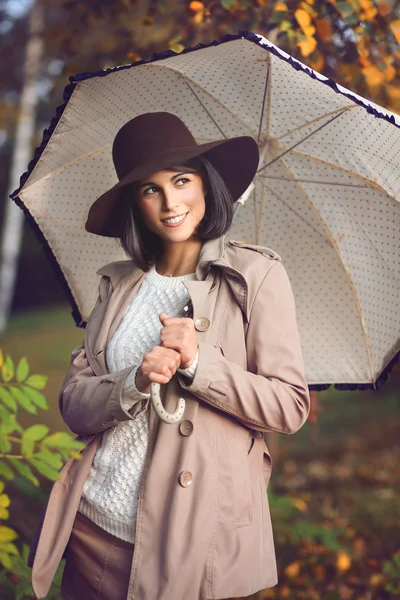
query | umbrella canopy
(326,193)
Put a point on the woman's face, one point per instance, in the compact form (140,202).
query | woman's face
(172,204)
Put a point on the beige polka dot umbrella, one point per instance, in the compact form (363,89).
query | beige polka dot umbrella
(326,194)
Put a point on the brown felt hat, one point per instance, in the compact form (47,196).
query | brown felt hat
(155,141)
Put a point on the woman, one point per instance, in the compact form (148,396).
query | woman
(155,511)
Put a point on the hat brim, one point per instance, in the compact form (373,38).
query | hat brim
(235,159)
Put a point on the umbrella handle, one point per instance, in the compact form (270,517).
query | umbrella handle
(163,414)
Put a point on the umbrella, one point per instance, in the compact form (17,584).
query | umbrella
(326,194)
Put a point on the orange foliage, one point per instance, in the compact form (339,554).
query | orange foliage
(324,29)
(196,6)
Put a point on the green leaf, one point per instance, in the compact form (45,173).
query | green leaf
(22,370)
(10,549)
(5,471)
(36,397)
(51,458)
(345,8)
(37,381)
(9,425)
(24,470)
(7,399)
(7,534)
(7,370)
(278,17)
(27,447)
(227,4)
(23,400)
(5,445)
(36,432)
(62,439)
(44,469)
(6,560)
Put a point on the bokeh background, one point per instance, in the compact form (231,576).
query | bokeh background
(334,491)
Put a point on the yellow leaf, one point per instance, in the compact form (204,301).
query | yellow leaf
(374,76)
(376,579)
(285,25)
(307,46)
(293,569)
(196,6)
(4,514)
(1,486)
(299,504)
(369,10)
(1,358)
(281,7)
(177,48)
(395,27)
(7,534)
(303,18)
(4,501)
(343,561)
(198,17)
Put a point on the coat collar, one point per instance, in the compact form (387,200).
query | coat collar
(212,253)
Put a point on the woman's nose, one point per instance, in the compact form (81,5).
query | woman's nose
(170,200)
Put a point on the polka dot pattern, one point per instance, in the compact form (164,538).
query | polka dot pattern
(326,195)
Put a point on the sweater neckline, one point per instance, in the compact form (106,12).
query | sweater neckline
(154,278)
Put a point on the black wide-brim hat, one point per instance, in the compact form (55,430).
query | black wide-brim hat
(155,141)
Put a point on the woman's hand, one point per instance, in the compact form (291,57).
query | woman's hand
(180,335)
(158,366)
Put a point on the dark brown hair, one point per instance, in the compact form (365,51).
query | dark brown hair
(144,246)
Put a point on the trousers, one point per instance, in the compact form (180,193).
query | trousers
(98,565)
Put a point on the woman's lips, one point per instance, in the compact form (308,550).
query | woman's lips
(175,224)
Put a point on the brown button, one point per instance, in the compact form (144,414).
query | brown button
(186,428)
(186,479)
(202,324)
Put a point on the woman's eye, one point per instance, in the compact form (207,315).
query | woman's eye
(149,191)
(182,181)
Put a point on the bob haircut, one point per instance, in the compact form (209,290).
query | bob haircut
(144,247)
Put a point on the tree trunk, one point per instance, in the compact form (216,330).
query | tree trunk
(14,217)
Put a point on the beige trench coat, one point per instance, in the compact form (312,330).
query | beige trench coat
(212,539)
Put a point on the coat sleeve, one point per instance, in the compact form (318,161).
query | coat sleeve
(272,394)
(89,403)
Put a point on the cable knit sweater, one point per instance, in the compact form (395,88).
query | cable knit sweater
(111,491)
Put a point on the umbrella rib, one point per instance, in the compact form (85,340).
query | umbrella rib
(337,248)
(204,108)
(186,79)
(264,101)
(370,183)
(316,182)
(303,140)
(274,193)
(308,123)
(369,238)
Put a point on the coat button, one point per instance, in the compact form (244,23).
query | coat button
(186,428)
(202,324)
(186,479)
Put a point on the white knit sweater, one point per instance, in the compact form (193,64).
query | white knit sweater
(110,494)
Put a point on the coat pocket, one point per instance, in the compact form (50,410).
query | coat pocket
(241,454)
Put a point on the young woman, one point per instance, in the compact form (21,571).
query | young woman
(155,511)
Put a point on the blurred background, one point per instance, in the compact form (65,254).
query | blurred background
(335,486)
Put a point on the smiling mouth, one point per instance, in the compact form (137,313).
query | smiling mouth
(174,220)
